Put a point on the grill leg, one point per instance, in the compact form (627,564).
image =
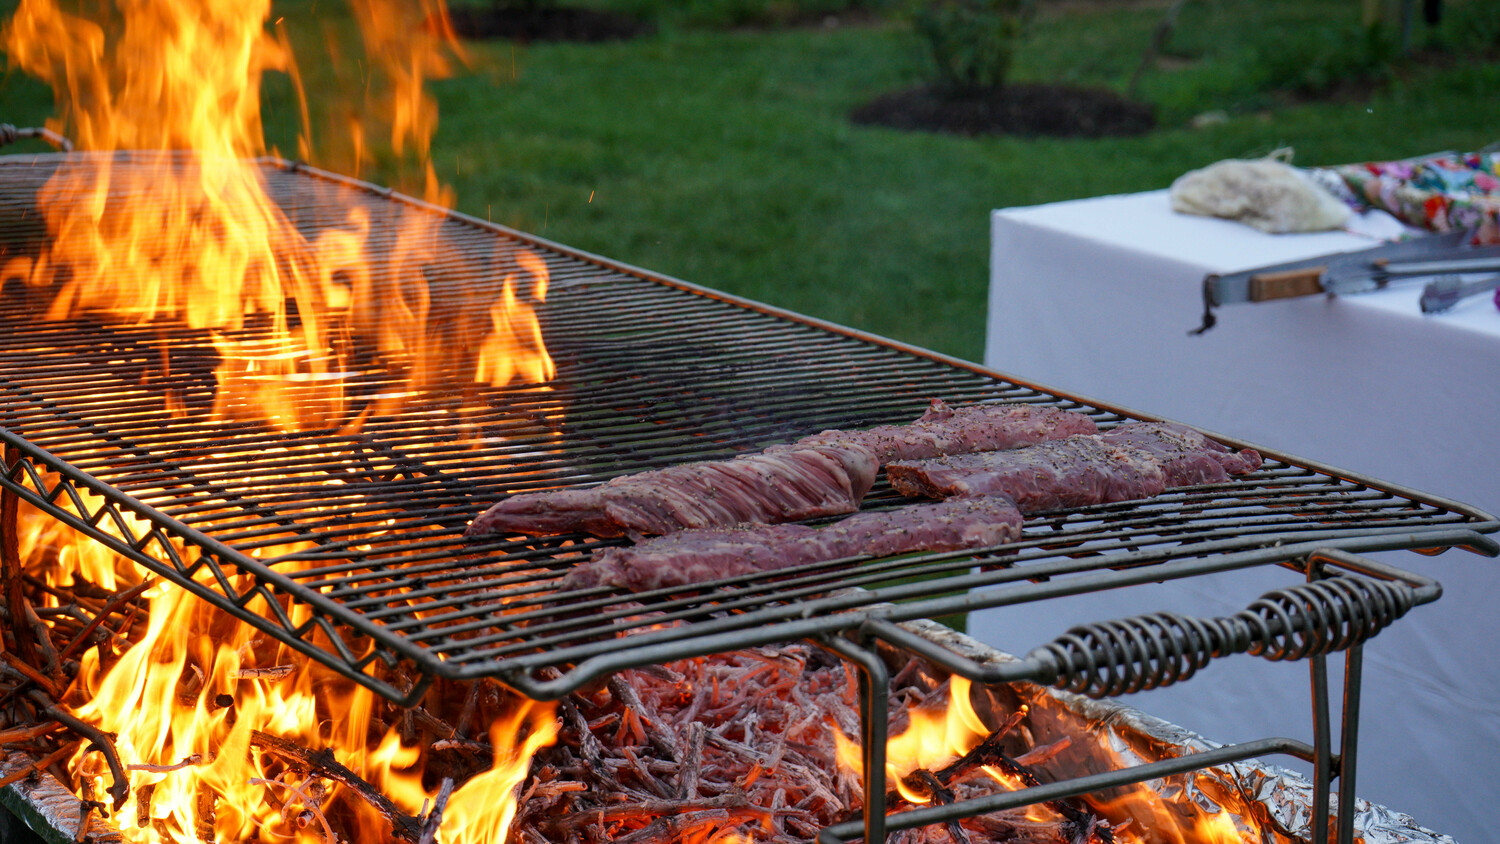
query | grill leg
(1328,766)
(874,700)
(1322,748)
(1349,742)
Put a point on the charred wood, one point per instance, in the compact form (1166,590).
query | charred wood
(115,604)
(119,789)
(321,763)
(941,795)
(1085,825)
(434,818)
(39,765)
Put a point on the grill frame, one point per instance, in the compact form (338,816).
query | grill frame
(355,642)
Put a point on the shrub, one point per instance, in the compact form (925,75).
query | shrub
(1469,28)
(973,42)
(769,13)
(1314,59)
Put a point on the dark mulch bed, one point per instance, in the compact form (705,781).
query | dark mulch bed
(546,23)
(1027,110)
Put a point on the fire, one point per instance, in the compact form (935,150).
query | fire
(931,740)
(1154,818)
(1141,815)
(165,219)
(193,701)
(483,808)
(514,350)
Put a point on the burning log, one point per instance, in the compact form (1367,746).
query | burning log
(1085,824)
(434,819)
(942,795)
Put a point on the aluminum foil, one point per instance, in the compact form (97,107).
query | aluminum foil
(1274,800)
(51,810)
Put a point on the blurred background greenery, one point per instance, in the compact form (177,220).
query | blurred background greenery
(718,149)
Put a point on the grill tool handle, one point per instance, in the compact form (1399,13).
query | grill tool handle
(1286,284)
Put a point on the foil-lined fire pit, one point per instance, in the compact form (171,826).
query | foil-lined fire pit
(1102,735)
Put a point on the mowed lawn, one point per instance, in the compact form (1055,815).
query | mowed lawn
(726,158)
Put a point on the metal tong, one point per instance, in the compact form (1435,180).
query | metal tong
(1445,291)
(1345,273)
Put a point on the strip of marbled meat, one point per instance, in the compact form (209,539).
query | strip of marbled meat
(1187,456)
(1131,461)
(947,430)
(764,488)
(1071,472)
(821,475)
(689,557)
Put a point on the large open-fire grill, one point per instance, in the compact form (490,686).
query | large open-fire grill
(364,530)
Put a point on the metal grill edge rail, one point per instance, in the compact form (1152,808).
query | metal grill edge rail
(353,541)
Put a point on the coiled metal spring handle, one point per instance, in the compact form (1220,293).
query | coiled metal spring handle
(1145,652)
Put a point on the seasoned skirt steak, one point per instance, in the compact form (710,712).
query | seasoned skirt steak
(946,430)
(826,474)
(1074,472)
(1133,461)
(763,488)
(696,556)
(1187,456)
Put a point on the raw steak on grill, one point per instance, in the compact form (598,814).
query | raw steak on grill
(1134,460)
(694,556)
(1071,472)
(765,488)
(1187,456)
(822,475)
(946,430)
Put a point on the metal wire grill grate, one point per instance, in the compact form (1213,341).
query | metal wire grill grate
(348,544)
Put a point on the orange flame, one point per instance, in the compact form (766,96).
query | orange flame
(186,701)
(514,350)
(931,740)
(483,808)
(181,230)
(164,219)
(1141,815)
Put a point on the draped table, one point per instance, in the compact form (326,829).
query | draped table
(1097,297)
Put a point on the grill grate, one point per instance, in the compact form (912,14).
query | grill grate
(353,541)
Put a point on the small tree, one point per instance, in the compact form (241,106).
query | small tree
(972,41)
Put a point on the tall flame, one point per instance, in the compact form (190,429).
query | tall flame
(180,229)
(164,218)
(483,808)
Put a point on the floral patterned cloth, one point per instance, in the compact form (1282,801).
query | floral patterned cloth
(1442,193)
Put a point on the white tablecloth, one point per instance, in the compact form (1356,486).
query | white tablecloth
(1096,297)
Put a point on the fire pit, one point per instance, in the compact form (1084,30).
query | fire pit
(328,513)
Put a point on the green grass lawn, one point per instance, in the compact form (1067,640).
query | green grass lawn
(725,157)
